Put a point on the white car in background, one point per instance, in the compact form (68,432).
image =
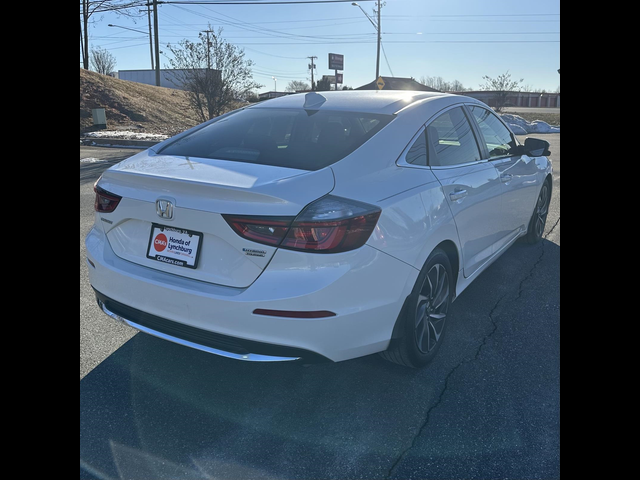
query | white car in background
(314,227)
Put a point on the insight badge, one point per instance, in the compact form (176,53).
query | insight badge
(254,253)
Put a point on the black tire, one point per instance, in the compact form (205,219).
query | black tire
(538,220)
(425,319)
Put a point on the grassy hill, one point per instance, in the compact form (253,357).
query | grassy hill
(133,106)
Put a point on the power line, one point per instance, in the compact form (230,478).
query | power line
(500,15)
(270,2)
(252,28)
(386,59)
(472,33)
(277,56)
(400,42)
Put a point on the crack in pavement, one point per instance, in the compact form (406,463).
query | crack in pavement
(486,338)
(445,388)
(552,228)
(535,265)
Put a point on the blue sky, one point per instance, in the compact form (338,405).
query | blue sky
(454,39)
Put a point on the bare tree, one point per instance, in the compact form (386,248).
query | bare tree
(502,85)
(102,61)
(441,84)
(88,8)
(456,86)
(213,72)
(297,85)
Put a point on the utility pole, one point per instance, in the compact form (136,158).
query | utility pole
(157,42)
(208,47)
(379,40)
(312,67)
(85,23)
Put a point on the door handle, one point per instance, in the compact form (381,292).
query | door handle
(506,177)
(457,195)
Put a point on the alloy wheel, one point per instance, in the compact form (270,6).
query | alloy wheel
(542,209)
(433,302)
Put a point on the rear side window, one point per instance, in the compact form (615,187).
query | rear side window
(293,138)
(417,154)
(451,140)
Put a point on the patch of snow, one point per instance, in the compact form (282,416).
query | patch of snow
(126,135)
(521,127)
(113,145)
(91,160)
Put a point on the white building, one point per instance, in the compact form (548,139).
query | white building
(169,77)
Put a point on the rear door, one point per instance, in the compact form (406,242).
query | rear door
(471,185)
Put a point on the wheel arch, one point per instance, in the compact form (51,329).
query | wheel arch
(450,249)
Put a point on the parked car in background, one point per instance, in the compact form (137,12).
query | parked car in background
(315,227)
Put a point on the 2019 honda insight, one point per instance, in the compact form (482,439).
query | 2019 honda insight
(315,227)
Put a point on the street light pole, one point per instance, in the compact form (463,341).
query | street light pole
(275,84)
(377,27)
(127,28)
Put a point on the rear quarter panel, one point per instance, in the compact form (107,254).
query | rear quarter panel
(414,222)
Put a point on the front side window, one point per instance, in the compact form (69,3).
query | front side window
(496,136)
(451,140)
(293,138)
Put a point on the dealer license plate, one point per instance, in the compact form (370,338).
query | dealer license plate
(175,246)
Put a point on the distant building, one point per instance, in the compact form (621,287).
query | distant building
(169,77)
(268,95)
(517,99)
(398,83)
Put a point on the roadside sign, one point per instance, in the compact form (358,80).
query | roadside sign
(380,83)
(336,61)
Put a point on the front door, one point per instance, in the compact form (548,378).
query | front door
(518,173)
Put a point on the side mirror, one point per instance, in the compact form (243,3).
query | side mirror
(536,147)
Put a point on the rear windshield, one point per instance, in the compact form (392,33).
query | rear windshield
(293,138)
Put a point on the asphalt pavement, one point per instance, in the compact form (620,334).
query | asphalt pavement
(487,407)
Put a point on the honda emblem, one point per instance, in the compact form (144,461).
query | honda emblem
(164,209)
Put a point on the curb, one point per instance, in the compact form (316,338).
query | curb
(117,142)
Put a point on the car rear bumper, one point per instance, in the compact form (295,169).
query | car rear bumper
(206,341)
(365,289)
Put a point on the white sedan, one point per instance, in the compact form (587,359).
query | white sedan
(315,227)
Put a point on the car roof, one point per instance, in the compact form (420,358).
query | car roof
(366,101)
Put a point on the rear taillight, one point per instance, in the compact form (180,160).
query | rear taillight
(329,225)
(267,230)
(106,202)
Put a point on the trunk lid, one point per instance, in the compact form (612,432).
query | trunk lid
(200,191)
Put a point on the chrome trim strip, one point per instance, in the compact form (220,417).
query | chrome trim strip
(250,357)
